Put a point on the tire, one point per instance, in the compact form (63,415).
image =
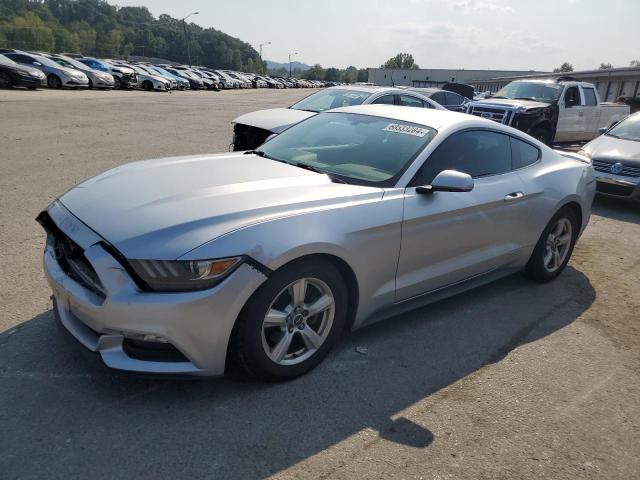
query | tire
(296,340)
(90,84)
(543,135)
(53,81)
(5,80)
(541,267)
(147,85)
(117,84)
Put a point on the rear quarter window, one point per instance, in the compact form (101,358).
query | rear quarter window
(523,154)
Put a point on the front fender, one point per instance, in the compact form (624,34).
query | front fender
(366,236)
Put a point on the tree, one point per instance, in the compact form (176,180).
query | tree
(566,67)
(363,75)
(634,63)
(605,66)
(401,61)
(350,75)
(315,73)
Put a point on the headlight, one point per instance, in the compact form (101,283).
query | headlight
(184,275)
(585,155)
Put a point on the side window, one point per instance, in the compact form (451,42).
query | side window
(572,97)
(589,97)
(385,100)
(476,152)
(439,98)
(454,99)
(409,101)
(523,154)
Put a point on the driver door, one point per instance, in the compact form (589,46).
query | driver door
(448,237)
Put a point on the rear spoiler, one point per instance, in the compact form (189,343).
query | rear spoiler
(573,156)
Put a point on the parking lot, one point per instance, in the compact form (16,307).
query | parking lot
(511,380)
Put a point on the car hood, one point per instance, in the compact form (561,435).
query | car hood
(34,72)
(528,104)
(612,148)
(162,209)
(275,120)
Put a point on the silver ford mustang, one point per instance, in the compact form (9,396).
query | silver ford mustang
(263,258)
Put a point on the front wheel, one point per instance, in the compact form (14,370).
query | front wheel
(553,250)
(292,321)
(542,135)
(5,80)
(53,81)
(117,84)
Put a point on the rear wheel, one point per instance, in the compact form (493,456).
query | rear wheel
(117,84)
(292,321)
(53,81)
(147,85)
(90,84)
(554,248)
(5,80)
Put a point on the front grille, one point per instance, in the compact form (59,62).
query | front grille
(604,165)
(248,137)
(614,189)
(152,351)
(497,114)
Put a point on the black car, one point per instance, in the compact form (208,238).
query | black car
(13,74)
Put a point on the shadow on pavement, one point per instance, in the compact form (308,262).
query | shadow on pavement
(63,414)
(619,209)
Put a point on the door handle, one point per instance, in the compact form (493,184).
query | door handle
(513,196)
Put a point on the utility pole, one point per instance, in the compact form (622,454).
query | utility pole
(186,38)
(262,45)
(294,53)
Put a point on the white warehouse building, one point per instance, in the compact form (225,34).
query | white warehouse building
(436,77)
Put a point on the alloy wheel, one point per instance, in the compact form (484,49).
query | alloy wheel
(558,244)
(298,321)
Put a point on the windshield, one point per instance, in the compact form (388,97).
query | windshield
(70,62)
(332,98)
(541,92)
(95,64)
(139,70)
(357,149)
(46,61)
(4,59)
(628,129)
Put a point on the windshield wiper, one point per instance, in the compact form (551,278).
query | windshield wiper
(311,168)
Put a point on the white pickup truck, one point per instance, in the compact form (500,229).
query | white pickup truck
(551,110)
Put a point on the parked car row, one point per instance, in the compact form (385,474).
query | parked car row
(548,110)
(38,69)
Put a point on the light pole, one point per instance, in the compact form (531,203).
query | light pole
(291,54)
(262,45)
(186,38)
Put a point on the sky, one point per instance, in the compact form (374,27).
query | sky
(470,34)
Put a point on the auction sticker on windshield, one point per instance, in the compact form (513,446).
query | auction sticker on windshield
(406,129)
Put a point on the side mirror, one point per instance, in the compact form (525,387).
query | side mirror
(602,131)
(448,181)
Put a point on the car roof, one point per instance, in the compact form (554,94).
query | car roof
(368,88)
(426,90)
(429,117)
